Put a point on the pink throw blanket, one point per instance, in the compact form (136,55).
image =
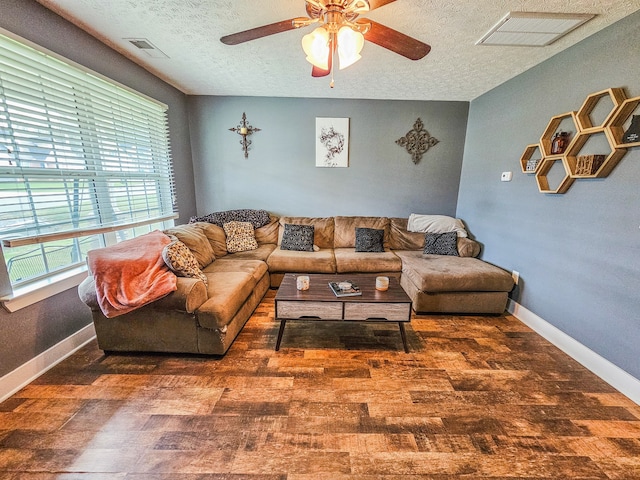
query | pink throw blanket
(131,274)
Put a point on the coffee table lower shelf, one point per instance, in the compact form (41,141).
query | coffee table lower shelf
(283,322)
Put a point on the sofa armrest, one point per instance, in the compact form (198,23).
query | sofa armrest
(190,294)
(468,247)
(87,293)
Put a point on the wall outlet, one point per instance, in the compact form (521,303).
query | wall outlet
(506,176)
(516,276)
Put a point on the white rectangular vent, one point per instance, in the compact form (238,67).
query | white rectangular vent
(147,47)
(532,29)
(143,44)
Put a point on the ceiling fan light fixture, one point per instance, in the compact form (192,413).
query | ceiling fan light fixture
(316,46)
(350,44)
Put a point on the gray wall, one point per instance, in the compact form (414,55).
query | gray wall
(32,330)
(578,254)
(280,174)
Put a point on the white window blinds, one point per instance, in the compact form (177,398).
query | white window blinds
(78,155)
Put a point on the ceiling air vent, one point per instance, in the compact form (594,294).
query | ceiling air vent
(146,47)
(532,29)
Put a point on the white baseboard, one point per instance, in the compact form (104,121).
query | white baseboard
(612,374)
(25,374)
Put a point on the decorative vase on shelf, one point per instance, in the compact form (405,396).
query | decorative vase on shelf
(632,134)
(559,143)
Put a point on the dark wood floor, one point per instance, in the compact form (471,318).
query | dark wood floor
(477,398)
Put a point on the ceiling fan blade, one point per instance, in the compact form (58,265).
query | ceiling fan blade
(396,42)
(258,32)
(319,72)
(373,4)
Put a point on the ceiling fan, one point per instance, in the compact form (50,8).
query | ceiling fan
(340,30)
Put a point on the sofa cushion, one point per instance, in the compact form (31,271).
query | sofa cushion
(268,233)
(323,229)
(260,253)
(227,292)
(216,236)
(181,261)
(240,236)
(402,239)
(442,273)
(234,263)
(435,224)
(441,243)
(350,261)
(195,240)
(297,237)
(321,261)
(345,230)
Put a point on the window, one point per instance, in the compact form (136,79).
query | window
(80,157)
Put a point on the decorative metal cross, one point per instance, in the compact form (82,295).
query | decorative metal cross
(417,141)
(245,129)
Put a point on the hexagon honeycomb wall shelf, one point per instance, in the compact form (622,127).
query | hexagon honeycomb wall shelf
(576,159)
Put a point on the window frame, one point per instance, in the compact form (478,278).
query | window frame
(14,297)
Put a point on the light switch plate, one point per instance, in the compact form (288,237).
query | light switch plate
(506,176)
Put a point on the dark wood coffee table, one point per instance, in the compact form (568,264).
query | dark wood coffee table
(320,303)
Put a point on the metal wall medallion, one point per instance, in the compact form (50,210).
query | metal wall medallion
(417,141)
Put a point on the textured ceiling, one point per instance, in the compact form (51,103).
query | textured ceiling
(188,31)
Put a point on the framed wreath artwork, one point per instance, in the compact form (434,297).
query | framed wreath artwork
(332,142)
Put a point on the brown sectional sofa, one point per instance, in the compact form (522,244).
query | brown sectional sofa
(206,319)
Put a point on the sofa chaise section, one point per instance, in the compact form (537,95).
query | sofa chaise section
(449,284)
